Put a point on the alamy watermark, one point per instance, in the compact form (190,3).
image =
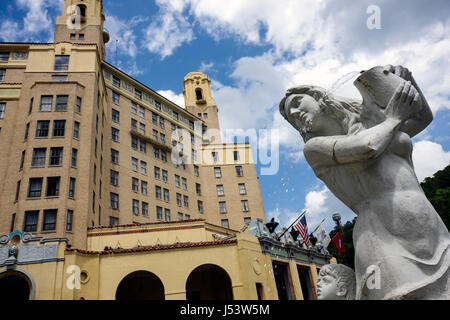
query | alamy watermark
(374,19)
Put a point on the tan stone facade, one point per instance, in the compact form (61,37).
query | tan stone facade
(86,141)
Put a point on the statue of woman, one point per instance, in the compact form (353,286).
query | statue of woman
(362,151)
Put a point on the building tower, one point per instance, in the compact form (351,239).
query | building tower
(82,22)
(199,101)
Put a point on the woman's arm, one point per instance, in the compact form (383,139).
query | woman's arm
(368,144)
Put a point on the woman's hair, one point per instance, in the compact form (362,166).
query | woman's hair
(346,111)
(345,277)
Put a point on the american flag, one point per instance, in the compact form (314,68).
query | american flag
(302,227)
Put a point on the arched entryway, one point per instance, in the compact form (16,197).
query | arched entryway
(209,282)
(140,285)
(14,286)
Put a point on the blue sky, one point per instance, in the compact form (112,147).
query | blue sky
(254,50)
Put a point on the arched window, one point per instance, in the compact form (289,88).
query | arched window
(199,93)
(82,8)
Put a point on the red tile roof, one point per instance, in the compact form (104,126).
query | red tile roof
(156,248)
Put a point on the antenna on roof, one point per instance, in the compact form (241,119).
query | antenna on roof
(117,41)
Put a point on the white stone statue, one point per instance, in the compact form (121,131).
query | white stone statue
(336,282)
(362,151)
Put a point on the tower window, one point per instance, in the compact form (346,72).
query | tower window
(199,94)
(81,36)
(82,8)
(62,63)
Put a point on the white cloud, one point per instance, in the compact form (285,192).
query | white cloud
(37,21)
(205,67)
(169,30)
(172,96)
(428,158)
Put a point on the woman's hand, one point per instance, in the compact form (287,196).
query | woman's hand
(404,103)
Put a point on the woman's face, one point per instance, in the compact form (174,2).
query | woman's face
(304,111)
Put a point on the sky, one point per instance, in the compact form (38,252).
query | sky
(253,50)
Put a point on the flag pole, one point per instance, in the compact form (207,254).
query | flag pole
(302,214)
(319,225)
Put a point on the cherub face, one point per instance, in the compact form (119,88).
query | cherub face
(327,288)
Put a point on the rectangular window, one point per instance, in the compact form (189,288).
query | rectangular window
(62,63)
(220,191)
(134,125)
(196,171)
(167,214)
(198,189)
(74,158)
(134,143)
(35,188)
(114,178)
(157,173)
(154,118)
(236,155)
(179,201)
(159,216)
(17,191)
(200,206)
(22,160)
(59,78)
(2,110)
(165,176)
(186,201)
(177,181)
(223,207)
(215,156)
(155,135)
(142,146)
(180,216)
(115,98)
(144,188)
(53,186)
(217,172)
(76,130)
(115,134)
(158,194)
(244,204)
(61,103)
(163,138)
(114,200)
(175,115)
(27,130)
(163,156)
(2,74)
(78,105)
(138,94)
(158,105)
(30,109)
(38,158)
(225,223)
(156,152)
(134,164)
(4,56)
(184,183)
(239,171)
(143,167)
(114,156)
(46,104)
(42,129)
(142,112)
(166,195)
(115,115)
(135,185)
(113,221)
(72,188)
(136,207)
(49,220)
(161,122)
(187,216)
(72,36)
(69,222)
(141,128)
(59,128)
(116,81)
(56,156)
(145,209)
(242,189)
(31,221)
